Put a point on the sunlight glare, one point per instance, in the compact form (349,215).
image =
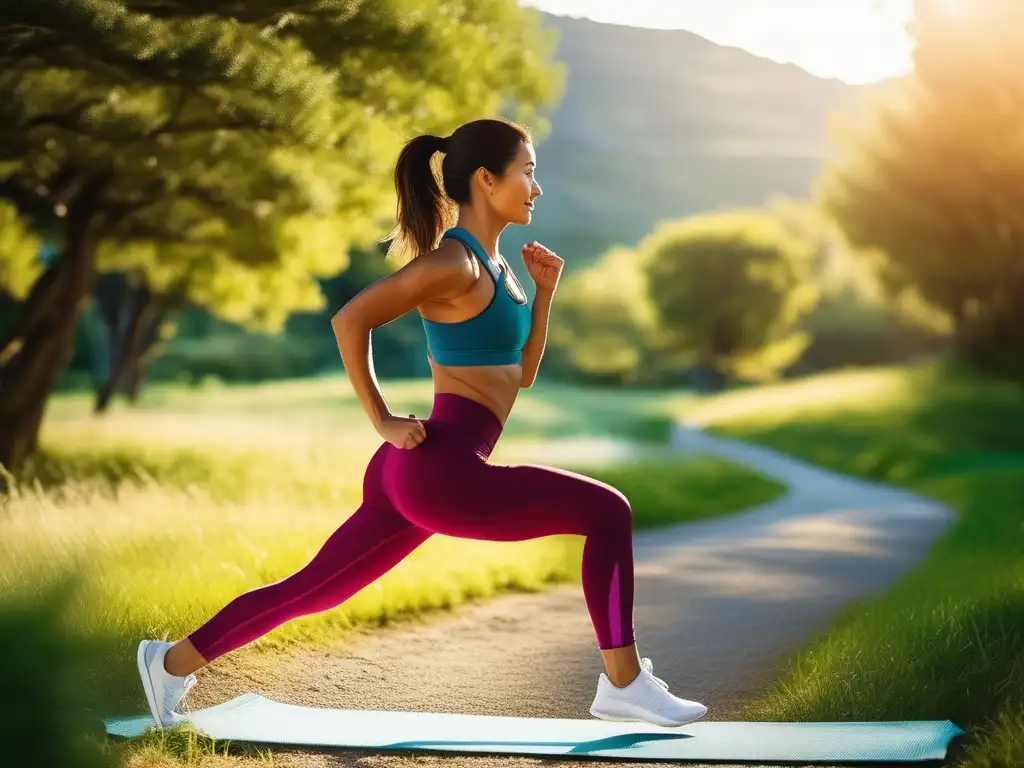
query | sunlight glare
(853,40)
(957,9)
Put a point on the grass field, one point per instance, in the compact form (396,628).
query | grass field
(948,640)
(167,511)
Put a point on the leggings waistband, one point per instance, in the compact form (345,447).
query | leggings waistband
(476,421)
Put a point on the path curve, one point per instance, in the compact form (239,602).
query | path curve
(719,604)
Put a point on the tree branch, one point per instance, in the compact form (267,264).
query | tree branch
(68,119)
(141,232)
(208,197)
(243,124)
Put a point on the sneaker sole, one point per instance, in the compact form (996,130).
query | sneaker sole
(147,682)
(653,721)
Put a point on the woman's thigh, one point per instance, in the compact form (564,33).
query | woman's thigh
(456,494)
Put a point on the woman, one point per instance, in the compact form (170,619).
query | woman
(485,344)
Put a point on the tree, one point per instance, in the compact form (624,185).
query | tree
(729,289)
(111,121)
(232,161)
(853,323)
(602,322)
(427,64)
(930,179)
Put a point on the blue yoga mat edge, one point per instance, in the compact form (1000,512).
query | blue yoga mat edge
(253,718)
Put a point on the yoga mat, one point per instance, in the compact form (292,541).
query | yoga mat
(254,719)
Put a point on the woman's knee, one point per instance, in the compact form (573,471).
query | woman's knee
(615,511)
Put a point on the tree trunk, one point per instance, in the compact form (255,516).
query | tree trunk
(44,341)
(109,297)
(715,358)
(150,345)
(133,379)
(124,344)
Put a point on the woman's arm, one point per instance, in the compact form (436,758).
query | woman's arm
(444,273)
(545,267)
(533,350)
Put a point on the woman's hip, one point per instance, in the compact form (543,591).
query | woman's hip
(460,436)
(463,420)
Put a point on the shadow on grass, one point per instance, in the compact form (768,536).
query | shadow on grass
(52,467)
(49,713)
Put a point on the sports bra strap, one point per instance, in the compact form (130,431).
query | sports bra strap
(466,238)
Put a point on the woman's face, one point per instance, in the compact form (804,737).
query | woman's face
(511,196)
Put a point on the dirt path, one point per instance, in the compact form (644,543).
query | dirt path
(719,604)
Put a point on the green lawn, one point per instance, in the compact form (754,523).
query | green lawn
(948,640)
(168,511)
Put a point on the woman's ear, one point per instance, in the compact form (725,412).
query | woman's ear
(485,180)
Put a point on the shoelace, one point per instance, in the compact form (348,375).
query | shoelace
(169,693)
(647,664)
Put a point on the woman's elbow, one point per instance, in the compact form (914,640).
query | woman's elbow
(343,320)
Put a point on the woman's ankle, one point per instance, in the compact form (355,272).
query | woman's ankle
(622,665)
(182,659)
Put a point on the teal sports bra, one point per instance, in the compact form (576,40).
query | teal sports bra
(497,335)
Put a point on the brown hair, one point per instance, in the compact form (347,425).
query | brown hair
(425,209)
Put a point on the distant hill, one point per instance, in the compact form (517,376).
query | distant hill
(658,124)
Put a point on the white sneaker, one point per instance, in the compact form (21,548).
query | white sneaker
(646,698)
(164,691)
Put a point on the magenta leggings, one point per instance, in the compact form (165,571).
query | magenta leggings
(445,485)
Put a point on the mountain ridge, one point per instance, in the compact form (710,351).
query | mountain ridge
(657,124)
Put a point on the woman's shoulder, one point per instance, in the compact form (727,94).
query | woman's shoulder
(448,269)
(450,257)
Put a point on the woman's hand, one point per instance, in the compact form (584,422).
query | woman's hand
(402,433)
(543,264)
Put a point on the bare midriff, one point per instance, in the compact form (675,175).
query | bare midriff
(493,386)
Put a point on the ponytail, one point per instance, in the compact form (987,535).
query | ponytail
(423,208)
(426,208)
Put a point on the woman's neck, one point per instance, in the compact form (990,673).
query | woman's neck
(483,227)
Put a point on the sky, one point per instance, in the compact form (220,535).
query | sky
(857,41)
